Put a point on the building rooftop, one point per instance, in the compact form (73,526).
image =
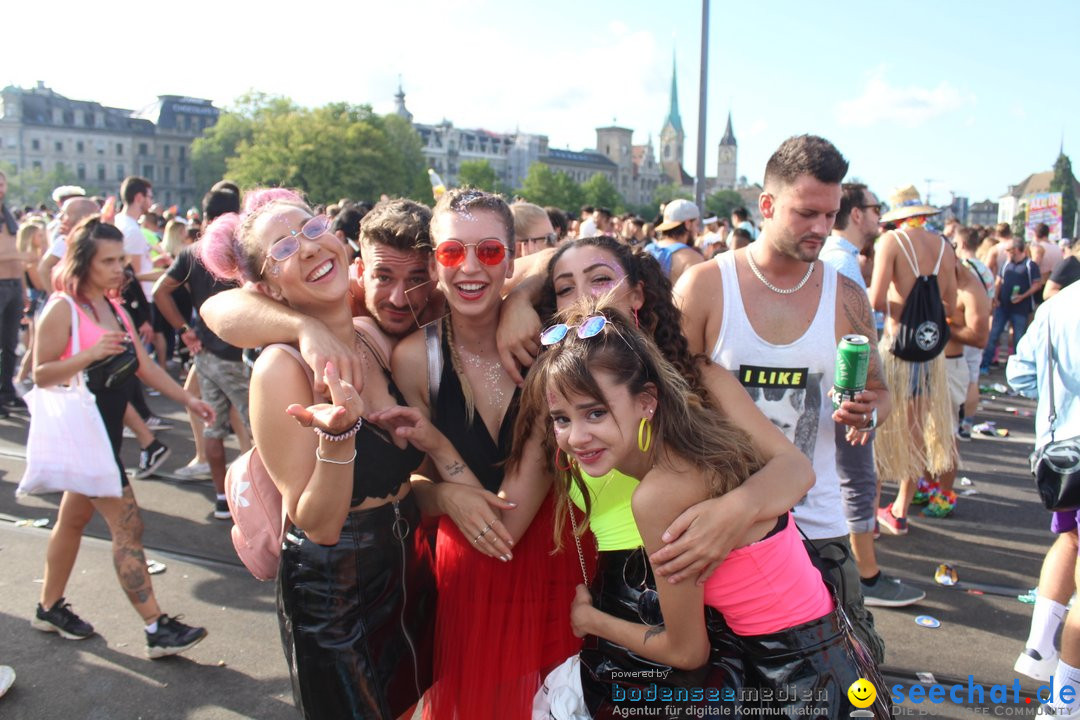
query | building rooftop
(582,158)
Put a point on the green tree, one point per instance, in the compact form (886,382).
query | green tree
(338,150)
(34,186)
(601,192)
(1019,222)
(666,193)
(722,202)
(544,186)
(406,143)
(1065,183)
(478,174)
(211,151)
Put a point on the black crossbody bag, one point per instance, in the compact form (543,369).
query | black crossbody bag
(1056,465)
(115,369)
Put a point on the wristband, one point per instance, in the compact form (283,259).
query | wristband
(339,436)
(320,458)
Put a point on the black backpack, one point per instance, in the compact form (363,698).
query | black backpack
(923,330)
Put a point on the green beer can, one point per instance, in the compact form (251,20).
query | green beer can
(852,365)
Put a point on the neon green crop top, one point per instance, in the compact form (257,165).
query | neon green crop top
(612,518)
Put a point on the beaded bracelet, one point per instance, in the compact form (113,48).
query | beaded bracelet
(320,458)
(340,436)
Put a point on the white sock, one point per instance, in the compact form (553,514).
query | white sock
(1046,619)
(152,627)
(1066,675)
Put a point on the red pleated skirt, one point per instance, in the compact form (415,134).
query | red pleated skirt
(500,627)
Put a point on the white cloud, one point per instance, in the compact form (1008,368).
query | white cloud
(909,106)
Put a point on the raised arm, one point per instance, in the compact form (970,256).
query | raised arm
(246,318)
(703,535)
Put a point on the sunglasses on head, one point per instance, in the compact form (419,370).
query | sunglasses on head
(451,253)
(287,246)
(587,328)
(638,576)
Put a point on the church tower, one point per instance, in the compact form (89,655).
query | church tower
(672,136)
(727,156)
(399,99)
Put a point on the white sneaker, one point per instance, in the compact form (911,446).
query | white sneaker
(155,423)
(7,679)
(1035,666)
(193,471)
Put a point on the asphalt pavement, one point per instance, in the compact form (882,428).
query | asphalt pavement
(997,537)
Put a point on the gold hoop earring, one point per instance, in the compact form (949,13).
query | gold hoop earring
(644,435)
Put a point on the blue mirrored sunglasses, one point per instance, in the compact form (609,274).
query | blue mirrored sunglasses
(589,327)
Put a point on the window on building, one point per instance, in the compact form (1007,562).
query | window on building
(80,170)
(119,148)
(168,173)
(165,151)
(69,117)
(120,172)
(143,149)
(35,144)
(79,147)
(101,173)
(183,175)
(88,119)
(59,146)
(182,153)
(37,164)
(148,172)
(168,194)
(187,122)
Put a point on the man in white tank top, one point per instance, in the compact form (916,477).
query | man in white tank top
(772,313)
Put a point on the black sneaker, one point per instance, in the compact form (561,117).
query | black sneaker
(151,459)
(221,510)
(172,637)
(60,619)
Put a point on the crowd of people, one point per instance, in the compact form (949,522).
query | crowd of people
(529,462)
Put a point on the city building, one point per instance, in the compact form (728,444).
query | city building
(98,146)
(983,213)
(1009,203)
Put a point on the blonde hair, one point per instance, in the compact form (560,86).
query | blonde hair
(24,241)
(175,236)
(525,214)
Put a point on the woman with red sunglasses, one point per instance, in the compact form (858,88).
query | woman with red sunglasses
(503,616)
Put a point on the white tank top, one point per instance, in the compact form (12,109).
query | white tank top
(789,384)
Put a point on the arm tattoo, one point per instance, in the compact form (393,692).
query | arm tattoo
(860,317)
(455,468)
(653,632)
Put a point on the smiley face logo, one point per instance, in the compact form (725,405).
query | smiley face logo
(861,693)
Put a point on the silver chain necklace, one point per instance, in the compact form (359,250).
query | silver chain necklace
(766,283)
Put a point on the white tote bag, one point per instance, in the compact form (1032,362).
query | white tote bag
(68,448)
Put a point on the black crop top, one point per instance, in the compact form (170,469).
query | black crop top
(381,467)
(472,440)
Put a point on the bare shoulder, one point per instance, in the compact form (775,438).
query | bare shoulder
(698,282)
(853,306)
(408,362)
(667,490)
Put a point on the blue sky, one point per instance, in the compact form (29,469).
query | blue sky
(973,96)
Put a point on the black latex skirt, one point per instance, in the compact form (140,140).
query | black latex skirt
(605,665)
(357,618)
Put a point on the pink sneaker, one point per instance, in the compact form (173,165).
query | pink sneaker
(890,523)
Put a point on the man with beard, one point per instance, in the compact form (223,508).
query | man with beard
(919,441)
(772,313)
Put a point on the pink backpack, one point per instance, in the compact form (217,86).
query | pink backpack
(255,503)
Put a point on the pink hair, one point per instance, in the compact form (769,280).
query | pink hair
(227,248)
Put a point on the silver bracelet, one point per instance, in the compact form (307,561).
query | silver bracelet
(320,458)
(338,437)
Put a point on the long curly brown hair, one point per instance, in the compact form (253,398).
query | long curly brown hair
(658,316)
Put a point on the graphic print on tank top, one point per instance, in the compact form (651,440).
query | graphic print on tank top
(790,397)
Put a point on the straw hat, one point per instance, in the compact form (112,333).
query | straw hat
(905,203)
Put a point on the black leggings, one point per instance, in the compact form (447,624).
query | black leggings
(111,403)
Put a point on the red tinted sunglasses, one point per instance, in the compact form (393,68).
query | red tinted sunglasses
(451,253)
